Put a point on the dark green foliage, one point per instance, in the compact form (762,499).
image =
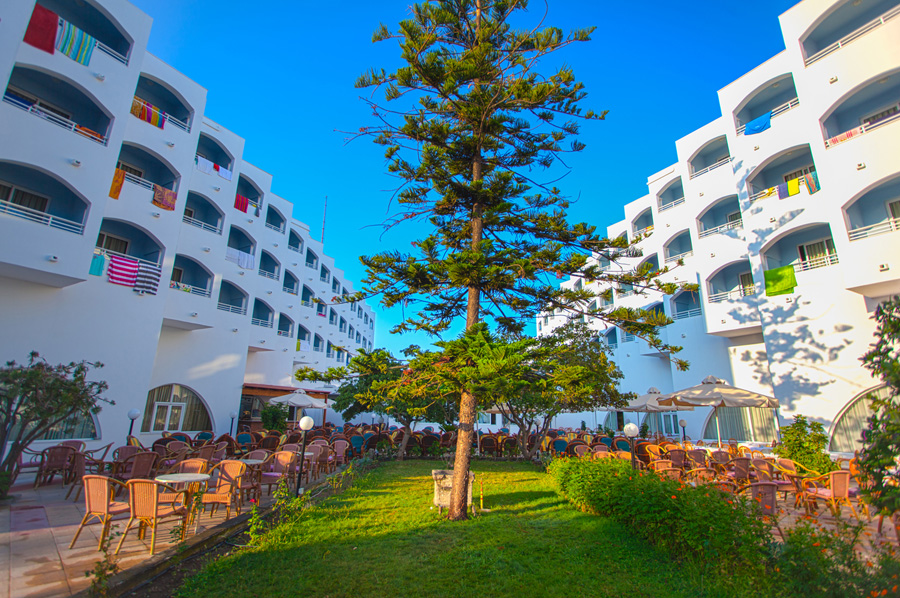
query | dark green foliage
(881,439)
(37,397)
(274,416)
(805,443)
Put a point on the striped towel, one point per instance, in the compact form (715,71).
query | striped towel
(845,136)
(164,198)
(812,182)
(75,43)
(147,279)
(122,270)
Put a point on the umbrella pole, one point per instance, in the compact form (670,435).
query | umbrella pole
(718,431)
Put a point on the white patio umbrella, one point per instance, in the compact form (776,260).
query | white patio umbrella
(649,403)
(301,400)
(714,392)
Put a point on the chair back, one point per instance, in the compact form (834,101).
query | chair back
(143,498)
(177,446)
(660,464)
(78,445)
(839,483)
(314,448)
(207,451)
(607,441)
(320,441)
(123,452)
(229,475)
(624,455)
(581,450)
(701,475)
(257,454)
(221,451)
(291,446)
(698,457)
(244,438)
(654,451)
(720,457)
(57,457)
(142,464)
(622,445)
(98,494)
(677,456)
(765,493)
(741,469)
(269,443)
(602,455)
(340,447)
(192,466)
(558,445)
(599,448)
(671,473)
(282,461)
(181,436)
(763,470)
(322,459)
(203,436)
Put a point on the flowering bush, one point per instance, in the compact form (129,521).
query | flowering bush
(805,443)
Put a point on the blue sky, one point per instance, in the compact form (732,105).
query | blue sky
(280,74)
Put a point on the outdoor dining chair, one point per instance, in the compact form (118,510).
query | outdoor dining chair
(137,466)
(54,460)
(581,450)
(277,468)
(660,464)
(147,510)
(765,472)
(677,457)
(700,475)
(81,466)
(99,503)
(833,488)
(697,458)
(341,451)
(206,452)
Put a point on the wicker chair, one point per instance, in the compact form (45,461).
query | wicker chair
(677,457)
(701,475)
(99,504)
(671,473)
(660,464)
(279,466)
(341,450)
(739,471)
(599,448)
(765,472)
(147,510)
(82,465)
(833,488)
(581,450)
(54,460)
(228,475)
(270,443)
(698,458)
(139,466)
(206,452)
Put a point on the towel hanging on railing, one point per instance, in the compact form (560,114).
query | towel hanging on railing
(122,270)
(75,43)
(758,124)
(147,278)
(42,29)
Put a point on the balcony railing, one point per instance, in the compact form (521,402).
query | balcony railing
(261,322)
(721,228)
(871,25)
(613,346)
(773,191)
(688,313)
(56,119)
(291,290)
(235,309)
(860,130)
(267,274)
(721,162)
(628,338)
(112,53)
(318,348)
(186,288)
(778,110)
(324,278)
(311,265)
(888,226)
(276,228)
(286,333)
(201,224)
(644,231)
(136,180)
(622,293)
(733,294)
(99,251)
(296,248)
(817,262)
(306,303)
(671,204)
(676,257)
(18,211)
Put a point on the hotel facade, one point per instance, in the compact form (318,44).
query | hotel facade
(134,233)
(785,211)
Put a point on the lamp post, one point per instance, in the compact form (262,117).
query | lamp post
(683,423)
(233,415)
(306,424)
(631,430)
(133,415)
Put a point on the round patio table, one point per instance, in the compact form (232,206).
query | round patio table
(184,478)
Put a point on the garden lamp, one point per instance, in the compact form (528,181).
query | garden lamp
(306,424)
(133,415)
(233,415)
(631,430)
(683,423)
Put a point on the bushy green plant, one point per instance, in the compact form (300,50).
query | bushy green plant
(805,443)
(274,416)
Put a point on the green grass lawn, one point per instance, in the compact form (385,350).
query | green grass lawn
(382,538)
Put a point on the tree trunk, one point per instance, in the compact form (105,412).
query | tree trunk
(401,452)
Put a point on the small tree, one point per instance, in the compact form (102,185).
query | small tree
(274,416)
(878,459)
(805,443)
(39,397)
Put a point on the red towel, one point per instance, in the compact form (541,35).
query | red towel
(241,202)
(122,270)
(42,28)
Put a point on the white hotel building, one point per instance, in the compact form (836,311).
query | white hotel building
(834,100)
(237,306)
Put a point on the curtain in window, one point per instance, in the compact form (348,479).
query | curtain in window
(744,424)
(196,417)
(78,426)
(29,200)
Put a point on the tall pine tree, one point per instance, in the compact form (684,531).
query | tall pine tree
(479,120)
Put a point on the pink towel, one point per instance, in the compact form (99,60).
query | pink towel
(122,270)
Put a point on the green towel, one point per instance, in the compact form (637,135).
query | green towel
(780,281)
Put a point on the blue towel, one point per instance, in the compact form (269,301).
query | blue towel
(783,191)
(758,124)
(98,263)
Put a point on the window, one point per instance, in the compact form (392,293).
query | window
(350,333)
(357,338)
(848,427)
(894,209)
(112,243)
(744,424)
(177,273)
(23,198)
(733,217)
(799,173)
(817,250)
(880,115)
(130,169)
(172,408)
(747,286)
(189,212)
(335,286)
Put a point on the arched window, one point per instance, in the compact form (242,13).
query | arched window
(847,429)
(78,426)
(744,424)
(172,408)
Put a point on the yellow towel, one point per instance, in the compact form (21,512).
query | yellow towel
(793,187)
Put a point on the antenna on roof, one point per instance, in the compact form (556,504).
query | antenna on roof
(324,212)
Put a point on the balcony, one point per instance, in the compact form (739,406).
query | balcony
(37,197)
(190,276)
(678,248)
(274,220)
(213,158)
(295,242)
(247,190)
(847,24)
(776,111)
(143,169)
(232,299)
(158,104)
(85,17)
(268,266)
(117,237)
(261,322)
(643,224)
(877,212)
(291,283)
(263,315)
(807,248)
(672,195)
(784,175)
(867,109)
(202,213)
(240,249)
(722,216)
(711,156)
(813,263)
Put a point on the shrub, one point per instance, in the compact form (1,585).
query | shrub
(805,443)
(274,416)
